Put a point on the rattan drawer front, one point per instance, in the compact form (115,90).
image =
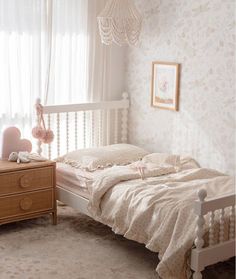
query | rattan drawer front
(26,180)
(29,203)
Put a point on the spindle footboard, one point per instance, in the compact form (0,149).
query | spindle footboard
(217,249)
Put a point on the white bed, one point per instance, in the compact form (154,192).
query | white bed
(114,116)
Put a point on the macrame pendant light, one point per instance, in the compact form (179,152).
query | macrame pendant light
(120,22)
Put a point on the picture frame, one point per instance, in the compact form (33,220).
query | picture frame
(165,85)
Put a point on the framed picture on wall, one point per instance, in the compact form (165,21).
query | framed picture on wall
(165,85)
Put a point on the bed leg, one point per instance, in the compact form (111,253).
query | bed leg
(197,275)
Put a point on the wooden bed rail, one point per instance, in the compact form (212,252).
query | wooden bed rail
(121,104)
(85,125)
(217,250)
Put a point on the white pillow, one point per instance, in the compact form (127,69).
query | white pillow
(91,159)
(187,163)
(162,158)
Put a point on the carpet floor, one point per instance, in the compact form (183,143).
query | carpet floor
(78,248)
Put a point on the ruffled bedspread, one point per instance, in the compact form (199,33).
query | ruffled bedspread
(156,211)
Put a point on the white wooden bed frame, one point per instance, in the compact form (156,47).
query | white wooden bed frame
(114,115)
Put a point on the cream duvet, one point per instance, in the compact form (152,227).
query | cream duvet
(156,210)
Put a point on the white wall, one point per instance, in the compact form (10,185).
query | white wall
(201,36)
(117,72)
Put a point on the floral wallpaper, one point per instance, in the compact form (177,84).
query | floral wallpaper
(200,35)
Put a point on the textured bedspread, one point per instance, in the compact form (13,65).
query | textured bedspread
(156,211)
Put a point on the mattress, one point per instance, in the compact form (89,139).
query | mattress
(74,180)
(77,180)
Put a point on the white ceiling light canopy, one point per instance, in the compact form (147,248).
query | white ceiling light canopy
(120,22)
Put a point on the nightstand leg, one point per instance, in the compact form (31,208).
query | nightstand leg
(54,218)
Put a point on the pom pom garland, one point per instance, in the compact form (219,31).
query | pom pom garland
(48,137)
(40,132)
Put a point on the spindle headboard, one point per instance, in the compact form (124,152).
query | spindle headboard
(85,125)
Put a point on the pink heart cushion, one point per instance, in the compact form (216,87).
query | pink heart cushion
(12,142)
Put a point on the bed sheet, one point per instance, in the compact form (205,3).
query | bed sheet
(74,180)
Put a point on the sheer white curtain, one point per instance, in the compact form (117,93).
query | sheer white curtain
(69,52)
(99,57)
(49,49)
(79,66)
(23,40)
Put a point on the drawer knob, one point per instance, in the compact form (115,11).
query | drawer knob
(26,203)
(25,181)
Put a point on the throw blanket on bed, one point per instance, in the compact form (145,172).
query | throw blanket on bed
(156,211)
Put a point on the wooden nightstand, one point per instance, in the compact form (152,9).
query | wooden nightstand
(27,191)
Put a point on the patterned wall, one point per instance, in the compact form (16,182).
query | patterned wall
(201,36)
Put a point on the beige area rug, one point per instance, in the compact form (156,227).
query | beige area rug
(78,248)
